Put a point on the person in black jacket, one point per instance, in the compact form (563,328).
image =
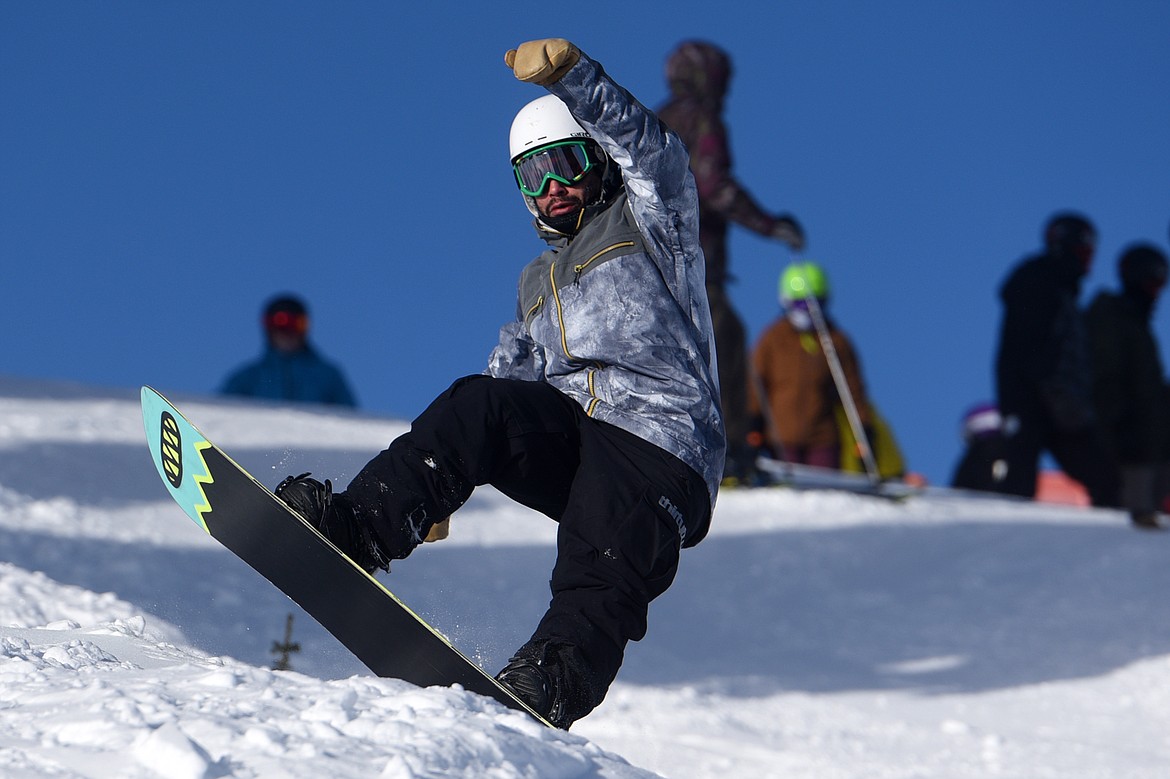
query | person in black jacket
(1043,378)
(1129,389)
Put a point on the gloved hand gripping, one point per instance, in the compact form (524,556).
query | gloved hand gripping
(542,62)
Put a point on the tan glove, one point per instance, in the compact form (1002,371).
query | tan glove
(439,531)
(542,62)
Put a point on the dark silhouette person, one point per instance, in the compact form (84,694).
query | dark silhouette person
(1129,386)
(1043,378)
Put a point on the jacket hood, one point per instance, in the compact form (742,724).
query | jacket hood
(700,71)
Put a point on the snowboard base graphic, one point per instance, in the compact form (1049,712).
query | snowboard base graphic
(244,516)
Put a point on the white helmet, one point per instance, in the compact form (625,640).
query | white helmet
(543,121)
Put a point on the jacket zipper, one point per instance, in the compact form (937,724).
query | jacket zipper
(552,280)
(578,269)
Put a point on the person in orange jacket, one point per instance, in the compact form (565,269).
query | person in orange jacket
(797,413)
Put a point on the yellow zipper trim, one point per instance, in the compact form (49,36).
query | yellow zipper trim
(578,268)
(535,306)
(552,280)
(593,393)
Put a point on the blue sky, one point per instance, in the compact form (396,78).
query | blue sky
(166,167)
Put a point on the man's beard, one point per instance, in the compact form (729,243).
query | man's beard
(577,203)
(567,222)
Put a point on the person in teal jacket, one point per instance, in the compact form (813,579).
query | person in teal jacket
(290,369)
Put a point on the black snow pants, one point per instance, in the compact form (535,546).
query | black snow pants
(624,506)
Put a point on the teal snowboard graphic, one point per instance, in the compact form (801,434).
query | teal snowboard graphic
(243,515)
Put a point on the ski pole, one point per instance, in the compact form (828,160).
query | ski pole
(818,317)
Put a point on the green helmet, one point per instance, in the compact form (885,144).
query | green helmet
(802,278)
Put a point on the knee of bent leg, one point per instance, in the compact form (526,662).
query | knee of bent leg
(469,397)
(510,406)
(475,385)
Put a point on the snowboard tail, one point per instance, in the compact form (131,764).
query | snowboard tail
(243,515)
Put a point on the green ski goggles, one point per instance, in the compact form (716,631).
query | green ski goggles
(566,162)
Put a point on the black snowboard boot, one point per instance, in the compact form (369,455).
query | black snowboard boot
(334,516)
(529,682)
(548,676)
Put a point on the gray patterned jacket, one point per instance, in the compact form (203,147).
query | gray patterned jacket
(617,316)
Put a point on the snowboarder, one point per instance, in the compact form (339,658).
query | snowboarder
(599,406)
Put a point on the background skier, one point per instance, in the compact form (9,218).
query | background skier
(794,375)
(698,74)
(290,368)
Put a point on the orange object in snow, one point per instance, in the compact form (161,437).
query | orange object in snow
(1058,487)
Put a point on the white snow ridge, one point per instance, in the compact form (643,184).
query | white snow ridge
(812,634)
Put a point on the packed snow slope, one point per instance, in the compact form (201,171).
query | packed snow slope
(812,634)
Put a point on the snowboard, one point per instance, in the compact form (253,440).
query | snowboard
(243,515)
